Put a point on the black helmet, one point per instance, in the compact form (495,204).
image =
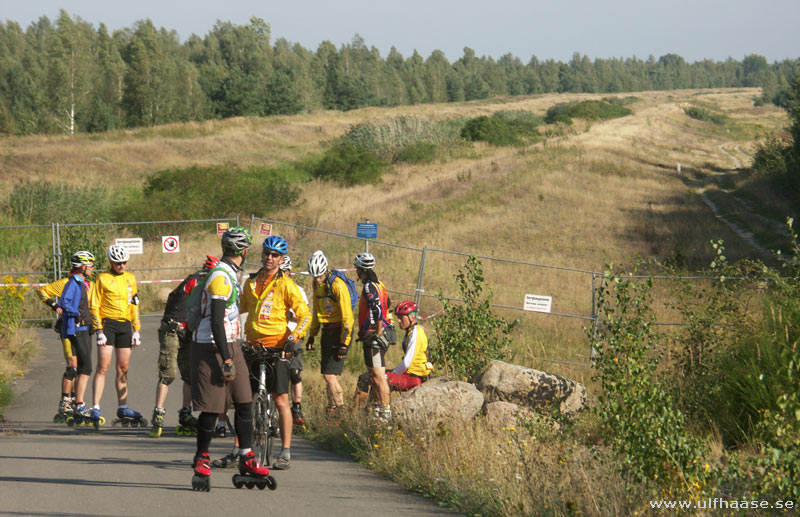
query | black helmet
(236,240)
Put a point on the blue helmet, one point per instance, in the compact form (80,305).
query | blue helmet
(276,243)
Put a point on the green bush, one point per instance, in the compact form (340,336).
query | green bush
(491,130)
(705,115)
(523,123)
(42,202)
(469,335)
(349,165)
(770,157)
(589,110)
(419,152)
(207,192)
(388,139)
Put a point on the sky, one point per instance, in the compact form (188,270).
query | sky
(548,29)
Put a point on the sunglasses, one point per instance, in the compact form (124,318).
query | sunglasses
(273,254)
(119,263)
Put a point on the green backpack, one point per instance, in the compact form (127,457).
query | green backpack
(194,306)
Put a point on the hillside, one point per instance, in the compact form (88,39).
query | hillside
(605,191)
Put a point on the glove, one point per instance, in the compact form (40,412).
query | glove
(228,371)
(136,340)
(289,346)
(310,343)
(101,338)
(342,353)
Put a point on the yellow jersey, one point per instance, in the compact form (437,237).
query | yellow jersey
(114,297)
(268,302)
(332,307)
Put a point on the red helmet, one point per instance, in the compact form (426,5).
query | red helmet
(406,307)
(210,263)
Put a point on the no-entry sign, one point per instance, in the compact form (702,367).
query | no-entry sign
(170,244)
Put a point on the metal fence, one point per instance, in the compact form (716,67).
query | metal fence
(422,274)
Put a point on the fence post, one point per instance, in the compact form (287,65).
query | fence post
(55,253)
(418,291)
(57,262)
(252,221)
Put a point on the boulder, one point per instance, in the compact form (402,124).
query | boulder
(535,389)
(439,400)
(507,414)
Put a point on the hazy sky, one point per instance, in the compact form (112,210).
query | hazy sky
(694,29)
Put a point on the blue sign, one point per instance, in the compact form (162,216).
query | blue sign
(367,230)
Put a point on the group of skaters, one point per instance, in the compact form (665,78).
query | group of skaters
(202,340)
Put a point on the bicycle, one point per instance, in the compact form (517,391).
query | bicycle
(265,413)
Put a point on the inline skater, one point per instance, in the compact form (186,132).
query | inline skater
(415,367)
(173,357)
(374,331)
(218,370)
(76,325)
(332,310)
(115,314)
(268,297)
(49,295)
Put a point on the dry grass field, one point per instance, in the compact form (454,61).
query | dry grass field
(602,192)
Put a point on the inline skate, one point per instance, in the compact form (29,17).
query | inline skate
(252,474)
(187,423)
(201,480)
(85,417)
(66,408)
(158,422)
(128,417)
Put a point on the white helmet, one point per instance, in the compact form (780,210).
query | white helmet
(286,265)
(117,253)
(364,261)
(317,264)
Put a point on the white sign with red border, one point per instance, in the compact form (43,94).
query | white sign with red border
(170,244)
(538,303)
(134,245)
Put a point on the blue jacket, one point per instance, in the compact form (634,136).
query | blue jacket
(70,300)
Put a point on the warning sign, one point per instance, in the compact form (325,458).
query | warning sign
(222,228)
(537,303)
(170,244)
(266,229)
(134,245)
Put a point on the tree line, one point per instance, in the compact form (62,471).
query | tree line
(67,76)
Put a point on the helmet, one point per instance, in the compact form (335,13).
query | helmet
(210,263)
(364,261)
(117,253)
(406,307)
(286,265)
(82,258)
(235,240)
(276,243)
(317,264)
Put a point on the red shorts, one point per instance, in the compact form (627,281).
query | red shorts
(402,382)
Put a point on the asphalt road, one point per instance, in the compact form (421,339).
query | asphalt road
(51,469)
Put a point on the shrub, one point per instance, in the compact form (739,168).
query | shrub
(641,420)
(469,335)
(705,115)
(11,301)
(524,123)
(419,152)
(589,110)
(42,202)
(203,192)
(388,139)
(492,130)
(770,157)
(349,165)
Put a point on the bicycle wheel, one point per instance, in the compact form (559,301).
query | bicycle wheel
(262,442)
(272,428)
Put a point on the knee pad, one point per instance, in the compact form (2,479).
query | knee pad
(166,381)
(363,383)
(294,375)
(70,373)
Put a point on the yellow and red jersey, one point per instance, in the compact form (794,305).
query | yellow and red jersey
(268,300)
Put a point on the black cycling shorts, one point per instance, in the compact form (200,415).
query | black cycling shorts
(119,333)
(374,356)
(81,344)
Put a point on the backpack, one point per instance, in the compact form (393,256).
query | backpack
(351,286)
(194,306)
